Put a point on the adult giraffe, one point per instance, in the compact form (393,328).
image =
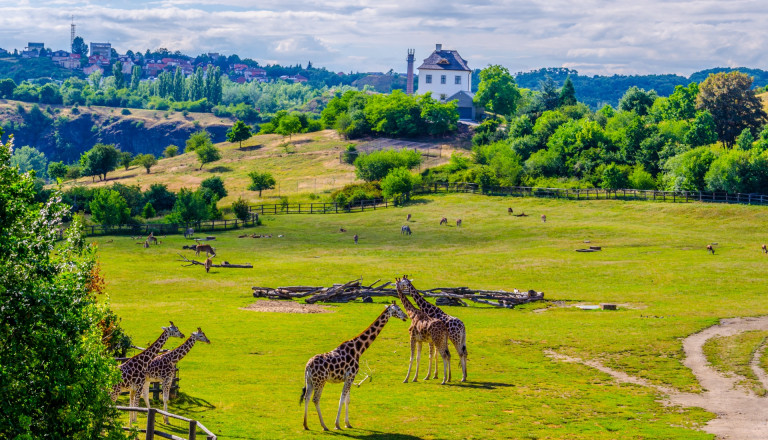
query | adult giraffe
(342,365)
(163,367)
(425,329)
(457,333)
(134,370)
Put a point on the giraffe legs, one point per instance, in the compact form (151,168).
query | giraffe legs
(307,395)
(418,361)
(344,400)
(134,402)
(461,348)
(446,362)
(434,354)
(410,363)
(167,382)
(346,418)
(429,370)
(316,400)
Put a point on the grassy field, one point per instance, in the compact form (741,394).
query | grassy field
(246,384)
(733,354)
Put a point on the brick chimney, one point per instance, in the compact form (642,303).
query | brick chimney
(438,47)
(409,81)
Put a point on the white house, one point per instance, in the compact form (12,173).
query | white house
(444,73)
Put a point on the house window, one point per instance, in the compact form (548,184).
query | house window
(458,79)
(428,79)
(442,79)
(442,96)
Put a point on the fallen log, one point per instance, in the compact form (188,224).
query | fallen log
(224,264)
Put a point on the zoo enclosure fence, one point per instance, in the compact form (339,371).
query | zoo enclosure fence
(323,208)
(171,228)
(151,432)
(597,193)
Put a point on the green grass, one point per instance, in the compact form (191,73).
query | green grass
(733,355)
(247,382)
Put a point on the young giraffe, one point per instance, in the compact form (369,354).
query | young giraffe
(134,369)
(425,329)
(341,365)
(457,333)
(163,367)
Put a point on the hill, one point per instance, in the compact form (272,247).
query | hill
(20,69)
(64,133)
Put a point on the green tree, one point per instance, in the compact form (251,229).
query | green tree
(30,159)
(745,140)
(239,132)
(376,165)
(637,100)
(6,88)
(171,151)
(190,207)
(159,197)
(135,77)
(55,370)
(497,90)
(686,171)
(146,160)
(50,94)
(702,130)
(568,93)
(399,182)
(641,179)
(79,47)
(148,211)
(99,160)
(197,139)
(216,185)
(729,97)
(57,170)
(728,172)
(109,208)
(261,181)
(439,118)
(117,72)
(241,209)
(548,97)
(207,153)
(125,159)
(614,178)
(289,125)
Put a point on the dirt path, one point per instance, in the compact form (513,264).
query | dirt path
(740,413)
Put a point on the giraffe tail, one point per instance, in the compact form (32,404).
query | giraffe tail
(303,395)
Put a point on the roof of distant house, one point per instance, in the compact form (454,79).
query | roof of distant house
(445,60)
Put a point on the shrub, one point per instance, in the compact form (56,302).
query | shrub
(376,165)
(125,111)
(399,183)
(261,181)
(216,185)
(148,211)
(171,151)
(241,209)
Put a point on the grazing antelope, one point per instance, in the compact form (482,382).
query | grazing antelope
(208,264)
(405,230)
(765,249)
(205,247)
(408,218)
(151,237)
(509,211)
(189,232)
(342,230)
(543,218)
(458,223)
(711,249)
(355,237)
(443,221)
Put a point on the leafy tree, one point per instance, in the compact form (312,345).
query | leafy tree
(135,77)
(146,160)
(568,93)
(497,91)
(216,185)
(399,182)
(159,197)
(261,181)
(57,170)
(702,130)
(440,118)
(117,72)
(99,160)
(686,171)
(376,165)
(55,370)
(239,133)
(30,159)
(614,178)
(109,208)
(641,179)
(207,153)
(733,104)
(197,139)
(6,88)
(241,209)
(637,100)
(190,207)
(289,125)
(728,172)
(125,159)
(79,47)
(50,94)
(132,195)
(148,211)
(171,151)
(745,140)
(548,97)
(485,177)
(350,154)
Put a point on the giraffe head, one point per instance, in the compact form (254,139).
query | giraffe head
(200,336)
(173,331)
(394,310)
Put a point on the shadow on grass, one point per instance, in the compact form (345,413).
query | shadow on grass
(365,434)
(187,404)
(482,385)
(419,201)
(251,148)
(219,169)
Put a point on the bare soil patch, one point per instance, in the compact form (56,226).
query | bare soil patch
(286,307)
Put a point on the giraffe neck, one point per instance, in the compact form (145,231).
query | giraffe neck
(366,338)
(147,355)
(423,303)
(179,352)
(409,308)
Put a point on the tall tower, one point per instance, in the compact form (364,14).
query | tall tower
(72,33)
(409,83)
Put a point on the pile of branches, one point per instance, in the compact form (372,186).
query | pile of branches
(352,290)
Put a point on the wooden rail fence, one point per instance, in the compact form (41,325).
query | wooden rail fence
(151,432)
(171,229)
(323,208)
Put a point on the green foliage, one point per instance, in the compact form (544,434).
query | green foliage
(30,159)
(125,111)
(160,197)
(239,132)
(614,177)
(6,88)
(399,182)
(686,171)
(49,94)
(497,91)
(55,370)
(99,160)
(355,192)
(733,104)
(125,159)
(109,208)
(637,100)
(377,164)
(197,139)
(745,140)
(641,179)
(289,125)
(171,151)
(241,209)
(568,93)
(261,181)
(439,118)
(702,130)
(57,170)
(148,211)
(216,185)
(73,172)
(190,207)
(146,160)
(207,153)
(350,154)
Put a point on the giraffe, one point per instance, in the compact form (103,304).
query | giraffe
(341,365)
(425,329)
(457,333)
(163,367)
(134,369)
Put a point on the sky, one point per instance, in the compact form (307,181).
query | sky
(595,37)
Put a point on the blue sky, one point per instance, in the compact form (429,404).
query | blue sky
(591,36)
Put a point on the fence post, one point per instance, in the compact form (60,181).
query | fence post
(151,424)
(192,429)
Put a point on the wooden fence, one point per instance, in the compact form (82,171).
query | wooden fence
(323,208)
(170,229)
(598,194)
(151,432)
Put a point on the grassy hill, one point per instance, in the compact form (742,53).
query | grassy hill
(303,165)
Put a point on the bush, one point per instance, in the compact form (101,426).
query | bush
(159,197)
(376,165)
(350,154)
(125,111)
(614,178)
(355,192)
(216,185)
(641,179)
(241,209)
(171,151)
(148,211)
(109,208)
(399,183)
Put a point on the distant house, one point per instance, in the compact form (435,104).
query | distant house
(103,49)
(59,55)
(294,78)
(444,73)
(72,62)
(153,67)
(99,60)
(33,50)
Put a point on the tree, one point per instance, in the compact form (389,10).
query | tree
(207,153)
(55,370)
(614,178)
(216,185)
(6,88)
(30,159)
(50,94)
(568,93)
(125,159)
(79,47)
(57,170)
(398,182)
(733,104)
(99,160)
(702,130)
(148,211)
(548,97)
(171,151)
(376,165)
(637,100)
(159,196)
(289,125)
(190,207)
(109,208)
(241,209)
(439,118)
(641,179)
(497,90)
(197,139)
(146,160)
(745,140)
(261,181)
(135,77)
(239,133)
(117,72)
